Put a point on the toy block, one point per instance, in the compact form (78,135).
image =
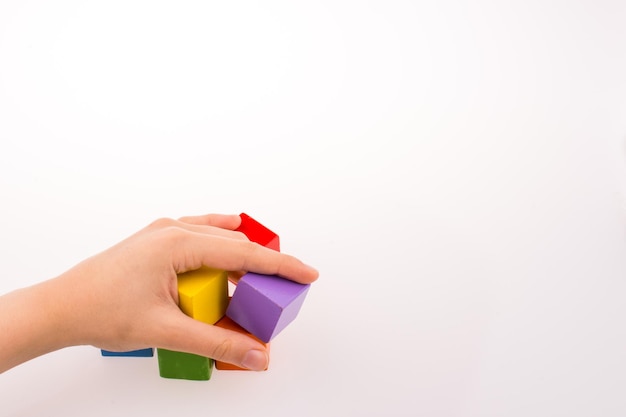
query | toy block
(265,304)
(258,233)
(139,353)
(226,323)
(181,365)
(203,294)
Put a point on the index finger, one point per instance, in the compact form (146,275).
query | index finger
(241,255)
(224,221)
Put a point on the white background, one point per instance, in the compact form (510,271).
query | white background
(456,170)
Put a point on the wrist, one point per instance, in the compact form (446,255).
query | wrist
(36,322)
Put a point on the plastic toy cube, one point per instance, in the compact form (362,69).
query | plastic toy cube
(203,294)
(181,365)
(258,233)
(265,304)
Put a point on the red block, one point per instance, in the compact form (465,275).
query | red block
(258,233)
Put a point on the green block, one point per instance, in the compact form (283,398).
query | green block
(181,365)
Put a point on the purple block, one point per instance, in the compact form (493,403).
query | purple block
(265,304)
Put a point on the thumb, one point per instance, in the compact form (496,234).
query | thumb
(185,334)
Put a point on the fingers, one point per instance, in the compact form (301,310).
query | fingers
(201,224)
(210,240)
(212,230)
(267,261)
(185,334)
(224,221)
(241,255)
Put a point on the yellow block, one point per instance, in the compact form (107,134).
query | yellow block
(203,294)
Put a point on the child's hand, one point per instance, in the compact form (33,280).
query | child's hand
(126,297)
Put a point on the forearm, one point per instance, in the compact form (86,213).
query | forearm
(33,322)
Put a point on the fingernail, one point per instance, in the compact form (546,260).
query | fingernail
(255,360)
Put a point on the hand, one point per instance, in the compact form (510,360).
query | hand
(126,297)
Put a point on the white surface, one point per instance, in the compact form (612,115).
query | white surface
(456,170)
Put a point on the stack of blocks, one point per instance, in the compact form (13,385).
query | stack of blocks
(261,307)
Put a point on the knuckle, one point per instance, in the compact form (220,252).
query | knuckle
(240,236)
(222,350)
(161,223)
(252,248)
(173,234)
(251,255)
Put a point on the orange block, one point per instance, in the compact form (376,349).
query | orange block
(227,323)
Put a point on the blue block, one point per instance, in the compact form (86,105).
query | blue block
(140,353)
